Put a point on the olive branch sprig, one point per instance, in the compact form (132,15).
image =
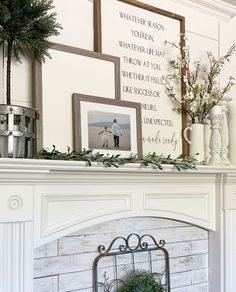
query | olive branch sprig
(150,160)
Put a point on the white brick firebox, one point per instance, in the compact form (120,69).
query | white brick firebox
(42,201)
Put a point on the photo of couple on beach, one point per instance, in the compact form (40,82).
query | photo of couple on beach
(108,130)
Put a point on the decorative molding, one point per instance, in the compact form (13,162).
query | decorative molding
(15,202)
(60,211)
(44,166)
(181,204)
(16,252)
(230,197)
(216,8)
(234,195)
(63,206)
(29,170)
(229,251)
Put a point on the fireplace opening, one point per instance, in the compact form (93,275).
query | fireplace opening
(66,264)
(128,263)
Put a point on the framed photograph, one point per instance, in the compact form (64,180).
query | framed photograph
(137,33)
(70,70)
(107,126)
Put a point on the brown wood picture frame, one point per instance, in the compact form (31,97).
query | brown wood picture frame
(38,82)
(181,19)
(114,106)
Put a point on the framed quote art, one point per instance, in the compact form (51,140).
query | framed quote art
(107,126)
(136,33)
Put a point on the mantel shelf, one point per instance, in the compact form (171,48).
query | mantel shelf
(35,168)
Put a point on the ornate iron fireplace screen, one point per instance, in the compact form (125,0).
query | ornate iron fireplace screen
(125,248)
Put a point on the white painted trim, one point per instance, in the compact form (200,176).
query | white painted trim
(91,213)
(229,237)
(216,8)
(63,192)
(10,168)
(158,201)
(16,257)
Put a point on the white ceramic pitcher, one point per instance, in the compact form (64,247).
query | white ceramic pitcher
(196,141)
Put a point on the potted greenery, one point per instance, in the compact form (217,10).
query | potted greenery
(143,281)
(138,281)
(25,25)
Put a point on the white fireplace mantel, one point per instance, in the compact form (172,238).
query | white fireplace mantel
(45,200)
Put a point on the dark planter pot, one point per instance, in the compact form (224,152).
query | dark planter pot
(17,131)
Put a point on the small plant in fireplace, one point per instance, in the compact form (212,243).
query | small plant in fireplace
(139,281)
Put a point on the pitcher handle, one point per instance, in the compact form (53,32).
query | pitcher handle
(185,134)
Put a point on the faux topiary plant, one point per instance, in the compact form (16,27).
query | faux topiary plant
(25,25)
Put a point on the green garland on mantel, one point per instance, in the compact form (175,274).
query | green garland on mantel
(151,160)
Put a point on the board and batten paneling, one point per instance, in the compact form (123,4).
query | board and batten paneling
(65,264)
(227,38)
(21,81)
(192,17)
(76,18)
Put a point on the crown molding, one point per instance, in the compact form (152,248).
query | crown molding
(216,8)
